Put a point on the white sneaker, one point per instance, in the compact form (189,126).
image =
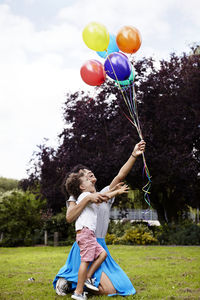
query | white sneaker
(79,296)
(62,287)
(89,283)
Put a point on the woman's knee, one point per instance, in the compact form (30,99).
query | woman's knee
(106,287)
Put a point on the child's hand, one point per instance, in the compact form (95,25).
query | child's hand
(124,189)
(117,186)
(98,198)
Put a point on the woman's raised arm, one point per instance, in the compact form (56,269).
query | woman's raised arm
(125,169)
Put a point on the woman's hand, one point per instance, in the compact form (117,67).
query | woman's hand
(139,148)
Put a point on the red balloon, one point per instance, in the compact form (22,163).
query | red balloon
(93,73)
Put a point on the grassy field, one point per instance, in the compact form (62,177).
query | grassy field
(156,272)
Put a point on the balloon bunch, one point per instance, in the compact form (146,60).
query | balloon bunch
(118,67)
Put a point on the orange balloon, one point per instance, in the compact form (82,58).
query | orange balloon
(129,39)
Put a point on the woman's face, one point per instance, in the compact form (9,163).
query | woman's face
(90,176)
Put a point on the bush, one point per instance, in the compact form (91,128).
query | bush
(66,231)
(118,228)
(185,233)
(138,234)
(24,217)
(110,238)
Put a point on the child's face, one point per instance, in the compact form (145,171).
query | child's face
(90,176)
(86,184)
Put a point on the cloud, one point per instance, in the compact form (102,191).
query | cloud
(148,16)
(34,79)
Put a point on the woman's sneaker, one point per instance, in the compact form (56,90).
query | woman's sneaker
(62,287)
(79,296)
(89,283)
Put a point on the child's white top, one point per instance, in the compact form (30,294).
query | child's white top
(88,217)
(103,215)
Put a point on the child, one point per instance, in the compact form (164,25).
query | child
(79,185)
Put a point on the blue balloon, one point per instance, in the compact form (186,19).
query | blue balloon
(112,47)
(117,66)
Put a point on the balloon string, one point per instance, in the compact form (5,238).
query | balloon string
(147,187)
(131,104)
(119,86)
(135,105)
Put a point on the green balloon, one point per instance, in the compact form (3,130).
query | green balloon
(128,81)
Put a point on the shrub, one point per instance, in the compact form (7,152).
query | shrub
(110,238)
(119,227)
(133,235)
(138,235)
(66,231)
(185,233)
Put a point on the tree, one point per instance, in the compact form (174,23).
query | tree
(98,135)
(91,141)
(171,117)
(19,217)
(7,184)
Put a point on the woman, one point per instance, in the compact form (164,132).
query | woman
(109,278)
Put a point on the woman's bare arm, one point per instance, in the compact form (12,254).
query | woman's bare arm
(126,168)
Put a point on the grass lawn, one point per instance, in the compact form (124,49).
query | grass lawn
(157,272)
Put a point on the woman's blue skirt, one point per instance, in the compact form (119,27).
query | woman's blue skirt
(117,276)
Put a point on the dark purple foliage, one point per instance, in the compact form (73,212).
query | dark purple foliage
(98,135)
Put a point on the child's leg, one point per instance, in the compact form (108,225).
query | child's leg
(82,274)
(96,263)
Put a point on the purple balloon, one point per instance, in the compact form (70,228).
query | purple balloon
(117,66)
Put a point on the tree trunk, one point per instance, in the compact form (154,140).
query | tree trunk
(55,239)
(1,237)
(45,238)
(197,217)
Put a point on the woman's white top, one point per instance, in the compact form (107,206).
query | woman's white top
(103,214)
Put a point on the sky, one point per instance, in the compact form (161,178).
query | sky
(42,51)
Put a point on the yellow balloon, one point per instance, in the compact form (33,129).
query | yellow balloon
(96,36)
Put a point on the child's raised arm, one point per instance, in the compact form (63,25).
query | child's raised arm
(118,189)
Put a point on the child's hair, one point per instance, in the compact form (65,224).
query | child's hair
(73,183)
(76,169)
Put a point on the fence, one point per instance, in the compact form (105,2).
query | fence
(134,214)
